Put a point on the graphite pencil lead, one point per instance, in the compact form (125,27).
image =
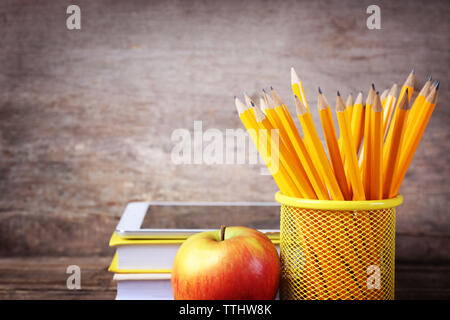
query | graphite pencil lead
(320,90)
(338,93)
(248,100)
(340,105)
(429,78)
(322,102)
(404,104)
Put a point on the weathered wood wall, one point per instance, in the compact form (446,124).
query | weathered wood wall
(86,116)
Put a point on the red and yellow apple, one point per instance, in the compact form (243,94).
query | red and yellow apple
(234,263)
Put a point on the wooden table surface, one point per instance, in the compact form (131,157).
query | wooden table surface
(45,278)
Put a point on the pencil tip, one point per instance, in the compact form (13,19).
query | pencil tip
(338,93)
(378,92)
(373,86)
(429,78)
(264,90)
(320,91)
(437,85)
(252,103)
(271,88)
(413,71)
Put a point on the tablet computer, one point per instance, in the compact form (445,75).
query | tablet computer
(177,220)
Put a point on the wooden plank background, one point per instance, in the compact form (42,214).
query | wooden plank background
(87,116)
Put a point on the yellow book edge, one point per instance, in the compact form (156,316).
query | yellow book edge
(116,240)
(113,268)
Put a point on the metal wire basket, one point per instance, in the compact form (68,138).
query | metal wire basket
(337,249)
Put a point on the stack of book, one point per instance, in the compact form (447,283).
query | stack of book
(144,258)
(142,267)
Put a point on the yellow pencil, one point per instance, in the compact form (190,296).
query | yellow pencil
(297,88)
(389,109)
(410,147)
(409,84)
(281,109)
(332,144)
(418,102)
(301,151)
(349,113)
(352,169)
(377,150)
(383,98)
(393,154)
(357,125)
(349,107)
(279,173)
(276,123)
(365,154)
(317,150)
(296,171)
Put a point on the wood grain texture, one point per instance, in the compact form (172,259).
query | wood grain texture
(87,116)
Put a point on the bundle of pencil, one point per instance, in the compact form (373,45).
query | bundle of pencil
(376,144)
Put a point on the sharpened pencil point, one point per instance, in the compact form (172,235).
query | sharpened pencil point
(338,93)
(264,90)
(320,90)
(437,85)
(271,88)
(373,86)
(429,78)
(413,71)
(378,92)
(252,103)
(240,106)
(299,106)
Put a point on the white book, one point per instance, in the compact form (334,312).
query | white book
(147,286)
(156,257)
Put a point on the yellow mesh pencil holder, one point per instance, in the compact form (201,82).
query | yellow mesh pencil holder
(337,249)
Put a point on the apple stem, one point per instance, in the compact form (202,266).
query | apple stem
(222,232)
